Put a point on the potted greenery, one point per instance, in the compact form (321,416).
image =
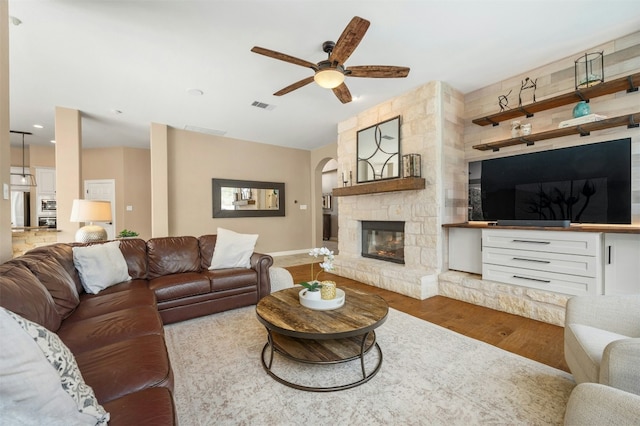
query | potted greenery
(125,233)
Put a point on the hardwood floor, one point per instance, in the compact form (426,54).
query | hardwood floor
(532,339)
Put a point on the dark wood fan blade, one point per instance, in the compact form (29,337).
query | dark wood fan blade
(342,93)
(282,57)
(294,86)
(349,40)
(377,71)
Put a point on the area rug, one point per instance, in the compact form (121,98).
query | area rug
(429,376)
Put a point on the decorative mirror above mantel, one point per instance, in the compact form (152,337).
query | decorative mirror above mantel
(247,198)
(378,151)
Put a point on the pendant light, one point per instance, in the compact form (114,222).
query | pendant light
(27,179)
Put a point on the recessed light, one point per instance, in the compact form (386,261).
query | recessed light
(38,126)
(116,111)
(52,141)
(195,92)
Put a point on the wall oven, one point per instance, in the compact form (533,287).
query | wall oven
(47,205)
(49,221)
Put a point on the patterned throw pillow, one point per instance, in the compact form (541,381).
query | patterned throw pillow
(62,360)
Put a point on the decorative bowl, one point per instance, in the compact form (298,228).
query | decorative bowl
(321,304)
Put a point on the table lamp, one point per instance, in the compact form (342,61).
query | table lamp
(91,211)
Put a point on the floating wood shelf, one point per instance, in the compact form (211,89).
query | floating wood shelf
(390,185)
(629,83)
(629,120)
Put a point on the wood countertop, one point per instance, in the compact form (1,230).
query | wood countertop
(578,227)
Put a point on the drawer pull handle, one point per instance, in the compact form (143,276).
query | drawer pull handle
(531,260)
(531,242)
(532,279)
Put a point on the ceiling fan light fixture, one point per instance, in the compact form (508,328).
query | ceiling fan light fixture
(329,78)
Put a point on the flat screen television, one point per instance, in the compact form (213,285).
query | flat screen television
(583,184)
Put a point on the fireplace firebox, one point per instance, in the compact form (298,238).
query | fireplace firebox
(383,240)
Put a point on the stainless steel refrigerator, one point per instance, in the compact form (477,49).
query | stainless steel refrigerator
(20,208)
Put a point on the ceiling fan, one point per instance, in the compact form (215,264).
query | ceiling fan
(331,73)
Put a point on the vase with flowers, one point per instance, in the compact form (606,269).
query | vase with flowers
(313,286)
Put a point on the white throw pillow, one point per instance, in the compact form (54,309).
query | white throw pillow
(41,383)
(100,266)
(233,250)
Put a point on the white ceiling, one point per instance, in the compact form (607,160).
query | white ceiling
(140,57)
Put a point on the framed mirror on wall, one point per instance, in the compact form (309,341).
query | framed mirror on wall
(247,198)
(378,151)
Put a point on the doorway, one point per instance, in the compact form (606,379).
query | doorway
(329,178)
(103,190)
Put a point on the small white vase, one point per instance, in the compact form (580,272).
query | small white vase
(312,295)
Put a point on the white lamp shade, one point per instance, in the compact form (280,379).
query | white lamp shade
(90,211)
(329,79)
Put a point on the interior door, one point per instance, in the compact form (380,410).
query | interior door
(103,190)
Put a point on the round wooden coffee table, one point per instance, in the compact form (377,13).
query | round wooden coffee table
(321,337)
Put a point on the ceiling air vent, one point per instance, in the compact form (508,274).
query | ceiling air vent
(262,105)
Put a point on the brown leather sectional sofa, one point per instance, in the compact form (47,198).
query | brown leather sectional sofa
(117,335)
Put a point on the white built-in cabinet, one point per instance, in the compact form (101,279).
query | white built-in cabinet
(621,263)
(567,262)
(562,262)
(465,250)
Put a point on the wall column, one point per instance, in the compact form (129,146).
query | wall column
(159,180)
(6,251)
(68,169)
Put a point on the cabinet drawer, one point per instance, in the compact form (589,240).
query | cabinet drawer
(559,283)
(579,243)
(586,266)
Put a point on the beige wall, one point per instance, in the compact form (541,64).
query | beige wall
(621,58)
(137,192)
(194,159)
(5,205)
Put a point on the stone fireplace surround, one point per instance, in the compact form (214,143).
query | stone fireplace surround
(431,124)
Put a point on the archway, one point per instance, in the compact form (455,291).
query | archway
(325,207)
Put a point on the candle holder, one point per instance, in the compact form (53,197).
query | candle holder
(411,165)
(589,70)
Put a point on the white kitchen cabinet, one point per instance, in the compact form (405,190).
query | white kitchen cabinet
(621,263)
(46,181)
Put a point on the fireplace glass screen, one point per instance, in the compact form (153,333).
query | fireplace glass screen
(383,240)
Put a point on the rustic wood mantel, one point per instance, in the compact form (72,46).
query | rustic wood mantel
(390,185)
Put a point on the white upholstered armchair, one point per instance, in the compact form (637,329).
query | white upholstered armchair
(602,340)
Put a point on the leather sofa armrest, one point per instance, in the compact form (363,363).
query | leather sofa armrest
(261,263)
(595,404)
(620,365)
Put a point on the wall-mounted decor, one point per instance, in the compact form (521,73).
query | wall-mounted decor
(247,198)
(378,151)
